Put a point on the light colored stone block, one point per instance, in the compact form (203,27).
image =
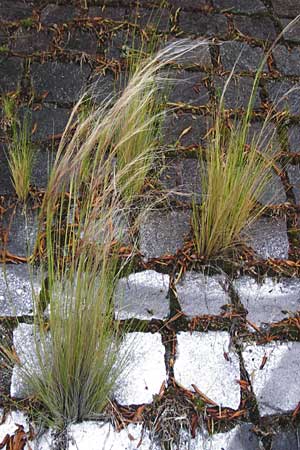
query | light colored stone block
(269,301)
(239,438)
(143,295)
(199,294)
(274,370)
(146,369)
(201,361)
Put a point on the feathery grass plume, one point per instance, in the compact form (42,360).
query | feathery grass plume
(99,171)
(20,150)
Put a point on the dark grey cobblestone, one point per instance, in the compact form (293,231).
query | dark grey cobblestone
(287,61)
(293,34)
(240,6)
(47,121)
(198,57)
(238,92)
(163,233)
(245,57)
(181,179)
(10,73)
(118,14)
(155,18)
(81,41)
(14,10)
(187,87)
(57,14)
(294,178)
(63,82)
(288,8)
(289,440)
(294,138)
(203,25)
(256,27)
(285,96)
(185,129)
(191,5)
(28,41)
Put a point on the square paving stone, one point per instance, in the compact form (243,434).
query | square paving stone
(293,34)
(285,96)
(88,436)
(57,14)
(186,87)
(288,440)
(258,27)
(162,233)
(145,372)
(274,192)
(202,295)
(29,41)
(294,179)
(287,61)
(181,178)
(18,284)
(200,360)
(268,238)
(269,301)
(246,58)
(274,384)
(10,73)
(294,138)
(197,56)
(240,6)
(158,19)
(238,92)
(289,8)
(143,295)
(185,129)
(22,227)
(63,82)
(80,41)
(207,25)
(47,122)
(118,14)
(239,438)
(16,10)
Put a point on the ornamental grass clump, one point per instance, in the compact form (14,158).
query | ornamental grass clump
(100,169)
(20,150)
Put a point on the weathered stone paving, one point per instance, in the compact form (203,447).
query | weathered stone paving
(221,338)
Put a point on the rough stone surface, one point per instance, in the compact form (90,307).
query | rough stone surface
(255,27)
(10,73)
(63,82)
(163,233)
(289,8)
(246,58)
(293,34)
(22,227)
(17,10)
(274,384)
(199,56)
(17,283)
(294,138)
(238,92)
(47,122)
(199,294)
(81,41)
(294,179)
(205,25)
(117,14)
(187,87)
(181,178)
(10,424)
(268,238)
(288,440)
(185,129)
(269,301)
(151,18)
(264,137)
(285,95)
(274,192)
(57,14)
(88,436)
(215,376)
(239,438)
(25,41)
(145,372)
(240,6)
(287,61)
(143,295)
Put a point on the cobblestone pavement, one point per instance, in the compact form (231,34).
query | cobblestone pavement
(225,336)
